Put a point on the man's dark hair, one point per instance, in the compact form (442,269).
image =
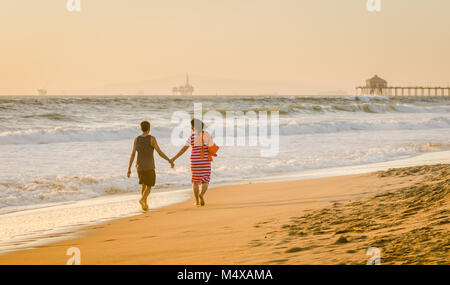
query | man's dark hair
(145,126)
(197,124)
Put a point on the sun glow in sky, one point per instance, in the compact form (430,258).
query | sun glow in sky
(315,45)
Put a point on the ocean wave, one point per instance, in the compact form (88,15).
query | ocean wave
(56,189)
(385,108)
(289,127)
(69,134)
(228,102)
(311,108)
(45,190)
(280,110)
(41,190)
(51,116)
(298,127)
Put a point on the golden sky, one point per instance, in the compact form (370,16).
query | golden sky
(315,45)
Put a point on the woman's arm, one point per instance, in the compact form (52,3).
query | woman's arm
(181,152)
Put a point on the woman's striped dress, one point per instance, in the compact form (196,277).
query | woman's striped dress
(200,168)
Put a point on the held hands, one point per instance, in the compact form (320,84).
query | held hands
(172,164)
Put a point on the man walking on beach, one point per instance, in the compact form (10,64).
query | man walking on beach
(145,144)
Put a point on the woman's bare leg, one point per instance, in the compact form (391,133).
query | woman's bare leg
(195,188)
(202,194)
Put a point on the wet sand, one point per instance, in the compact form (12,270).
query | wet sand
(404,212)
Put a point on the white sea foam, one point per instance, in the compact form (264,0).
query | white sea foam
(65,149)
(289,126)
(33,227)
(63,160)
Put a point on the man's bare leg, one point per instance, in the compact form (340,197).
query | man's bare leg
(195,188)
(147,191)
(143,189)
(141,201)
(202,194)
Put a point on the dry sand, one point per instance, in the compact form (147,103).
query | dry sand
(404,212)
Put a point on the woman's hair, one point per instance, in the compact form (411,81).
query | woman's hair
(197,125)
(145,126)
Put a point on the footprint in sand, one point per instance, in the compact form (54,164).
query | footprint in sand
(279,261)
(341,240)
(97,228)
(256,243)
(298,249)
(150,236)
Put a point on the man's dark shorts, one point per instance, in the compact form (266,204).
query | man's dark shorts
(147,177)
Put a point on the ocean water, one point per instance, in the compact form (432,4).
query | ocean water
(67,149)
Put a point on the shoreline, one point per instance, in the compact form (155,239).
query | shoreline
(236,216)
(71,231)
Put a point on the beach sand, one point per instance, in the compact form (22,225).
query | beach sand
(403,212)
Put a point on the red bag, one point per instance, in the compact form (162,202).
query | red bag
(212,151)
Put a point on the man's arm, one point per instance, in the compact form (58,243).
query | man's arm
(180,153)
(160,152)
(133,154)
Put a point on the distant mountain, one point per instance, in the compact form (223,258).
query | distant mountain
(333,93)
(204,85)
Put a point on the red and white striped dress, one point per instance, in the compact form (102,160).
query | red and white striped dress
(200,168)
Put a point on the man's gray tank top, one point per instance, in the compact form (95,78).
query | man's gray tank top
(144,148)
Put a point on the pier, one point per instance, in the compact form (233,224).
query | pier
(378,86)
(403,91)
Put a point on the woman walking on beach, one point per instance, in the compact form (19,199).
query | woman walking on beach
(199,141)
(145,145)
